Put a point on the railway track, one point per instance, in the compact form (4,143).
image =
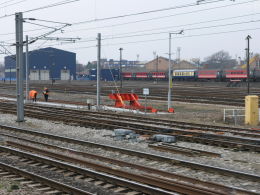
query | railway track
(43,184)
(102,120)
(159,158)
(72,173)
(167,181)
(195,94)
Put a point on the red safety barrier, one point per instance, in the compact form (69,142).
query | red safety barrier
(133,101)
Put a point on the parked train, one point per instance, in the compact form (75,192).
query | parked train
(195,75)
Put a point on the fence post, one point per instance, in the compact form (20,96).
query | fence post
(235,116)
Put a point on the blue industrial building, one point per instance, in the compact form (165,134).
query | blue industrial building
(45,64)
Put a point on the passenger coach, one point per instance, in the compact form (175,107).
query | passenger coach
(184,75)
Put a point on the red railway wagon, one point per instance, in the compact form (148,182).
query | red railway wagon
(208,74)
(127,75)
(141,75)
(158,75)
(235,74)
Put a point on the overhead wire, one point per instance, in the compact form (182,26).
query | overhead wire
(22,1)
(106,37)
(7,2)
(70,31)
(155,18)
(162,39)
(188,29)
(191,24)
(148,12)
(127,15)
(42,7)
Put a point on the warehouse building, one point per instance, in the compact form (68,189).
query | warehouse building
(45,64)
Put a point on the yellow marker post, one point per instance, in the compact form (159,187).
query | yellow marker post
(251,110)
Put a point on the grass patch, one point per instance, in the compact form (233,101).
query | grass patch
(13,186)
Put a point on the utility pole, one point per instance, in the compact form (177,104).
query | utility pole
(19,66)
(27,68)
(248,68)
(170,69)
(10,75)
(98,69)
(121,79)
(157,64)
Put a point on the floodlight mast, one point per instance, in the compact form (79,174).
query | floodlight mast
(170,67)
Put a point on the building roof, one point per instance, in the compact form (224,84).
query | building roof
(184,65)
(160,58)
(50,49)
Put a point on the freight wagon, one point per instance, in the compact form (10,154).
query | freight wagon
(105,74)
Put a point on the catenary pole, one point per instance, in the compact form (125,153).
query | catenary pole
(27,68)
(10,75)
(121,79)
(169,73)
(248,68)
(98,69)
(157,64)
(19,66)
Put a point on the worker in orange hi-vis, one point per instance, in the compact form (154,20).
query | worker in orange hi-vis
(33,95)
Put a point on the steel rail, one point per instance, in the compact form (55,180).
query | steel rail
(91,173)
(139,167)
(43,180)
(157,182)
(173,124)
(238,143)
(180,162)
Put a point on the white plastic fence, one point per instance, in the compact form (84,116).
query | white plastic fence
(235,114)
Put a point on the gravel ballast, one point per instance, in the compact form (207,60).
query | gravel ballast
(241,161)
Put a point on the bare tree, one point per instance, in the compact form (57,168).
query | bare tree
(219,60)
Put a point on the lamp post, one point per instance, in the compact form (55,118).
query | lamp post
(170,68)
(27,68)
(248,69)
(121,81)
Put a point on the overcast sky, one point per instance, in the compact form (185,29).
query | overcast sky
(228,22)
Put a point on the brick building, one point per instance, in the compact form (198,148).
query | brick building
(162,64)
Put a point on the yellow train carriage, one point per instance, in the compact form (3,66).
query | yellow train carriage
(184,74)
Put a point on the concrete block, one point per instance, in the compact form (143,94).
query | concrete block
(164,138)
(122,132)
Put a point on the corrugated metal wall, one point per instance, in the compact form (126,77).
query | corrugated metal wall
(54,60)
